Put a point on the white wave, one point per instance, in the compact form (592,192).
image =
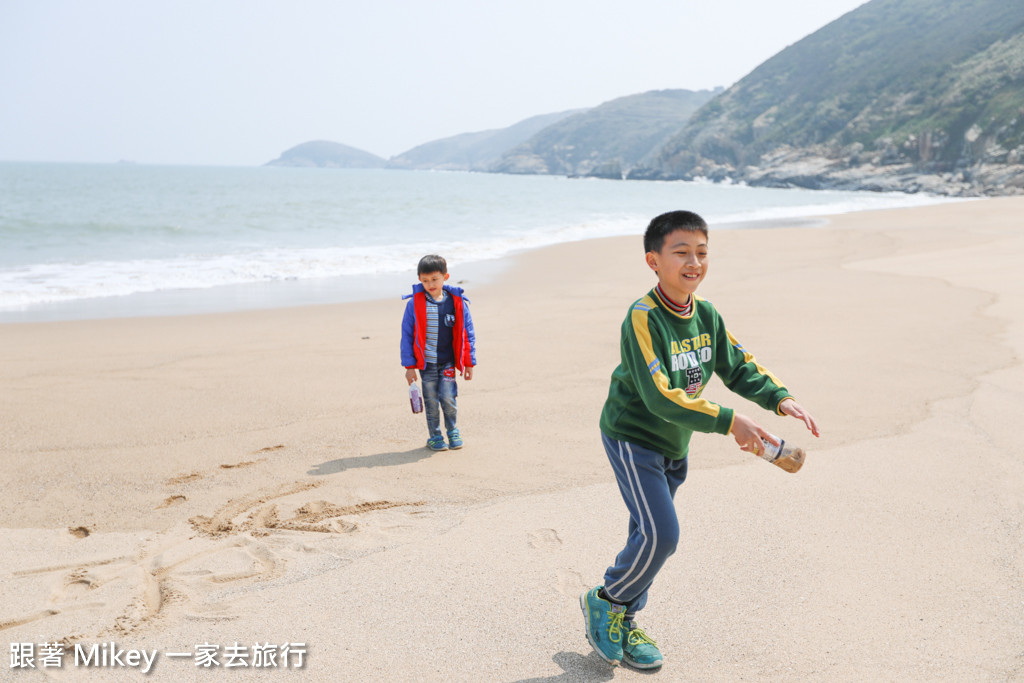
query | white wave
(46,283)
(840,205)
(22,286)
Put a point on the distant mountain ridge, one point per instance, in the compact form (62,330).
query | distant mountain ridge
(604,141)
(474,151)
(907,95)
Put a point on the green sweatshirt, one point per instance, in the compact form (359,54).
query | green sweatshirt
(667,359)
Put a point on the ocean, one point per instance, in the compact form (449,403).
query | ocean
(92,240)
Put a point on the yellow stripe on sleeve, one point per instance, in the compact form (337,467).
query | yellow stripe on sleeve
(749,358)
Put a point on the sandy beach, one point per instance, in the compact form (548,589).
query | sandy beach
(257,478)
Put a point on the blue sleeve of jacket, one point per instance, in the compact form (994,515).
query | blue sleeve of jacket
(408,335)
(470,332)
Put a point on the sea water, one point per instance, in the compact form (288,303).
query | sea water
(79,241)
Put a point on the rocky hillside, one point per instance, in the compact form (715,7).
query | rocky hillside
(324,154)
(474,151)
(897,94)
(608,140)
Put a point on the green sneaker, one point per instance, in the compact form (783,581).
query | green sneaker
(436,443)
(640,652)
(454,439)
(604,625)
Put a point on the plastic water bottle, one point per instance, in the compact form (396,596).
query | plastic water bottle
(415,398)
(789,458)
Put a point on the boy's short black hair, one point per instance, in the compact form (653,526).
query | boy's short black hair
(432,263)
(666,223)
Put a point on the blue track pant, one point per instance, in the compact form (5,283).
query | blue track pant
(648,482)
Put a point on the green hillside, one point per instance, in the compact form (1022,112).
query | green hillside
(938,84)
(606,140)
(473,151)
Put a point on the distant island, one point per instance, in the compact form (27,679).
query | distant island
(911,96)
(324,154)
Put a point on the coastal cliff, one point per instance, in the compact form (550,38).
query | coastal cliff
(898,94)
(608,140)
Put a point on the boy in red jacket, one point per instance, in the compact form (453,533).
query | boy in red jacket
(438,340)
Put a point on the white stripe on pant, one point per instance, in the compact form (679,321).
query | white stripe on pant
(648,482)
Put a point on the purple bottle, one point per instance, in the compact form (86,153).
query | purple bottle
(415,398)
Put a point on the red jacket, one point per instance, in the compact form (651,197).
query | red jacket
(414,330)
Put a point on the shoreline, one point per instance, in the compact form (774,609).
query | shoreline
(226,299)
(255,296)
(255,476)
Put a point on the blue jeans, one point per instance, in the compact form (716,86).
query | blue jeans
(439,388)
(648,483)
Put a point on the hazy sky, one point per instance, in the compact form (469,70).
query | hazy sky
(236,82)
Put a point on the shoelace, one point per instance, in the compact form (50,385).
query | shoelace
(637,637)
(615,626)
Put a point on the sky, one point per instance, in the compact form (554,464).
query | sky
(237,82)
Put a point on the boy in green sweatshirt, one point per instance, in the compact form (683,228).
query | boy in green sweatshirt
(672,341)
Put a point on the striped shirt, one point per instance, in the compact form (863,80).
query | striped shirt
(683,310)
(432,308)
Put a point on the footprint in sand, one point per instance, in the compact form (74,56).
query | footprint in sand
(245,463)
(172,500)
(571,583)
(545,539)
(195,476)
(183,478)
(74,585)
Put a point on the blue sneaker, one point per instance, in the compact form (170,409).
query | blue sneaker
(454,439)
(436,443)
(604,625)
(640,652)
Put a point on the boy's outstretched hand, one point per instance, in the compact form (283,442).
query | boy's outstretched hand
(410,375)
(790,407)
(748,434)
(467,372)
